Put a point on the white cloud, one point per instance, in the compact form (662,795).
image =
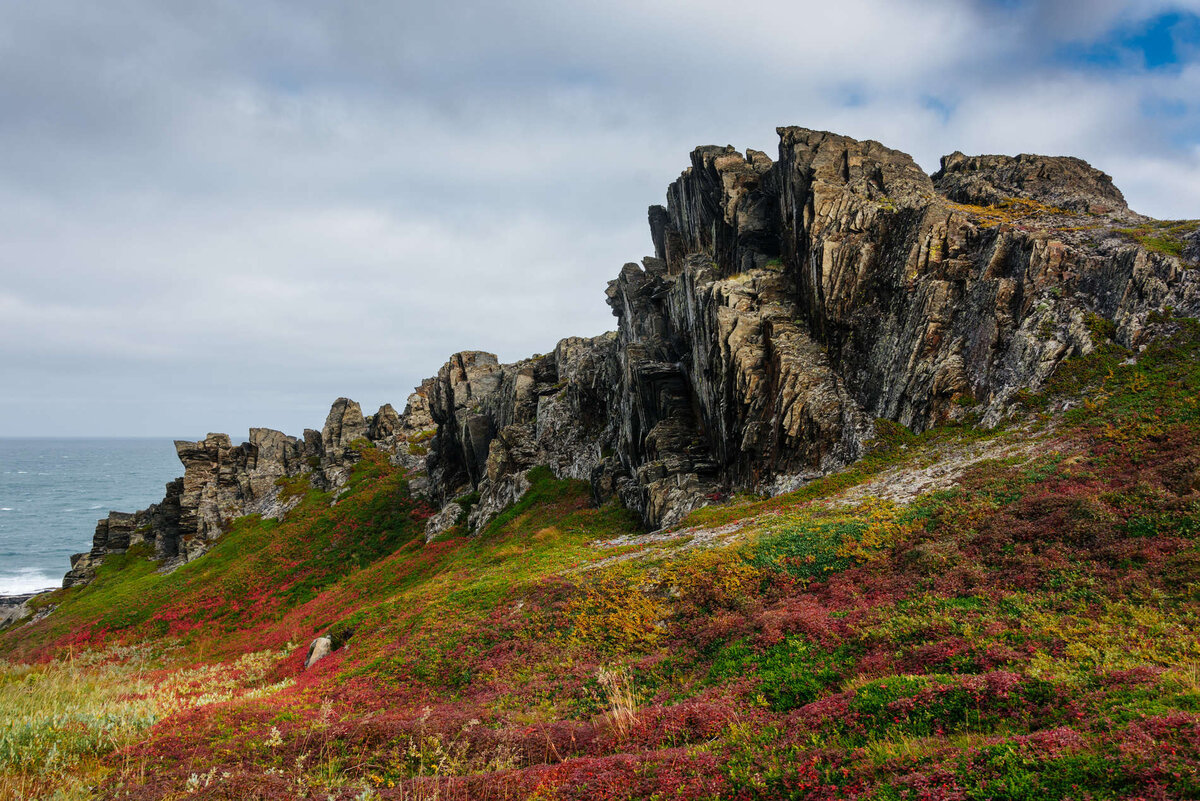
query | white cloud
(228,216)
(1161,187)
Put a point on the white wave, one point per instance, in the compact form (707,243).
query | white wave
(27,579)
(7,509)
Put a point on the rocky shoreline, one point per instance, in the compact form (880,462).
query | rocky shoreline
(15,607)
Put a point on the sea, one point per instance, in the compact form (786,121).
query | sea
(52,492)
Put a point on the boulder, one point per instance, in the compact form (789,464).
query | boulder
(318,649)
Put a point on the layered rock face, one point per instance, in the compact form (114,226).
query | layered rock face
(223,481)
(1063,182)
(918,300)
(790,303)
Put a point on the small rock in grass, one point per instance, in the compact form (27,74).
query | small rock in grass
(320,648)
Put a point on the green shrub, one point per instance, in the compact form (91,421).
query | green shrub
(793,673)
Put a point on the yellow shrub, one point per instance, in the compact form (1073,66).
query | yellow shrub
(720,576)
(883,530)
(615,613)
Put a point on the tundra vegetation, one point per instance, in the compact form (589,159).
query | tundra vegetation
(1025,631)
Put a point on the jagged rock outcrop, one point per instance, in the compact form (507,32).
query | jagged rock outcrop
(114,534)
(726,388)
(1191,246)
(1063,182)
(385,423)
(790,303)
(496,421)
(223,481)
(15,609)
(444,520)
(344,425)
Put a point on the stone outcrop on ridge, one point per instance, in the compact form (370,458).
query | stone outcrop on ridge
(1058,181)
(223,481)
(496,421)
(789,304)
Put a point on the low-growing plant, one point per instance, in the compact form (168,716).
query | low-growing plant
(792,673)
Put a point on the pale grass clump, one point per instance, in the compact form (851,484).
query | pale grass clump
(58,719)
(911,748)
(617,685)
(425,767)
(212,684)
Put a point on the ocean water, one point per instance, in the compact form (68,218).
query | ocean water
(52,492)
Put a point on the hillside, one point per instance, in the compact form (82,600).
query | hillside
(887,486)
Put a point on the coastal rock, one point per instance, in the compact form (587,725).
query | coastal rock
(114,534)
(496,495)
(496,421)
(417,418)
(14,608)
(344,425)
(1191,247)
(223,481)
(384,424)
(790,303)
(1063,182)
(460,446)
(216,482)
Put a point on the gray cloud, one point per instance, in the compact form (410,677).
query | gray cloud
(222,215)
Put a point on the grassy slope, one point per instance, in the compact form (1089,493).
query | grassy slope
(1027,633)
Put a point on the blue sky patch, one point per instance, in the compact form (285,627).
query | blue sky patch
(1162,42)
(942,107)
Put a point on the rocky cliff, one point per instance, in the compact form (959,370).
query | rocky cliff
(223,481)
(789,304)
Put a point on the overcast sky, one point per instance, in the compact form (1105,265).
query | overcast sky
(215,215)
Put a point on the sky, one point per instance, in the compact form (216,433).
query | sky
(218,215)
